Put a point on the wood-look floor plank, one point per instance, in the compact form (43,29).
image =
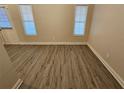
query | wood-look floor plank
(59,67)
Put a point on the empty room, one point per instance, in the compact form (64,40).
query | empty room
(61,46)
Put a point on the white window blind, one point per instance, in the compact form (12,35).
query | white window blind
(28,21)
(80,20)
(4,19)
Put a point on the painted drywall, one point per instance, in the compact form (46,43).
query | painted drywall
(107,35)
(9,36)
(8,75)
(54,23)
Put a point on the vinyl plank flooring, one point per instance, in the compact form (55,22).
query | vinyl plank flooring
(59,67)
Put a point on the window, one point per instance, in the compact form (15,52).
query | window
(80,20)
(28,21)
(4,19)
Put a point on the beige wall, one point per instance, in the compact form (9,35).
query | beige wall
(16,21)
(107,35)
(54,23)
(7,74)
(9,36)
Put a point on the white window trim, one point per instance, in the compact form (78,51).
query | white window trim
(85,23)
(9,18)
(23,22)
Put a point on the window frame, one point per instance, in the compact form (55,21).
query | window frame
(8,16)
(77,35)
(22,21)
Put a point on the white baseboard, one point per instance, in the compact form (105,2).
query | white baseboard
(49,43)
(109,68)
(17,84)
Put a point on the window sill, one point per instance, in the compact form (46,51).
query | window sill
(78,35)
(5,28)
